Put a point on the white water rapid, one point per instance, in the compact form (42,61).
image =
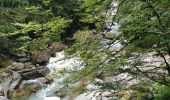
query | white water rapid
(57,64)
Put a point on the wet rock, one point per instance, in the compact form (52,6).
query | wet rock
(10,84)
(49,79)
(57,46)
(29,83)
(16,66)
(51,52)
(42,80)
(43,56)
(34,73)
(24,92)
(29,66)
(44,71)
(40,57)
(14,82)
(3,98)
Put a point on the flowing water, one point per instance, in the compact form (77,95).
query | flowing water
(57,64)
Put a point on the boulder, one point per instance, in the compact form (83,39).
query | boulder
(34,73)
(24,93)
(28,83)
(44,71)
(57,46)
(41,57)
(16,66)
(14,82)
(29,66)
(51,52)
(10,84)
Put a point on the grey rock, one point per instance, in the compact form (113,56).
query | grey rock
(15,82)
(40,57)
(34,73)
(16,66)
(29,66)
(3,98)
(44,71)
(11,83)
(39,82)
(57,46)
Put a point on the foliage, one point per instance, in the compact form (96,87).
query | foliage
(162,92)
(144,28)
(29,23)
(146,21)
(34,24)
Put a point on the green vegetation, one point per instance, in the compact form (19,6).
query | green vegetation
(162,92)
(28,25)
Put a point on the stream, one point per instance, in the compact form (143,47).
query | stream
(57,64)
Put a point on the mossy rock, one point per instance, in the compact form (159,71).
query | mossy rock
(21,94)
(41,57)
(57,46)
(4,74)
(5,62)
(4,70)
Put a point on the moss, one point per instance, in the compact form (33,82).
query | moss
(5,62)
(3,70)
(4,76)
(162,92)
(21,94)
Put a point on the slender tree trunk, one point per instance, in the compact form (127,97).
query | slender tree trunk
(166,62)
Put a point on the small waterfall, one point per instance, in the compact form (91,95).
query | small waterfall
(57,64)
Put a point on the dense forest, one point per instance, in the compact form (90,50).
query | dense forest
(85,49)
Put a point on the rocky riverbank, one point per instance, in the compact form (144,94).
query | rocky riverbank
(27,72)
